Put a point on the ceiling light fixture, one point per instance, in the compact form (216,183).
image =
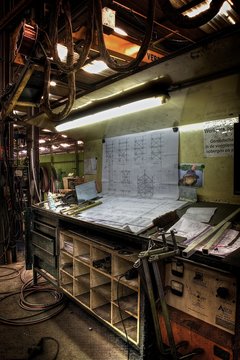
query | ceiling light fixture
(198,9)
(53,83)
(62,51)
(114,112)
(95,67)
(65,145)
(120,31)
(231,20)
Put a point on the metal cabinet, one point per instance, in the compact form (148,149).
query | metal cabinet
(44,230)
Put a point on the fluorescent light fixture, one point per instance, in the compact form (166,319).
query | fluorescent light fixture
(209,124)
(198,9)
(62,51)
(95,67)
(132,50)
(18,112)
(122,110)
(53,83)
(191,127)
(120,31)
(225,9)
(231,20)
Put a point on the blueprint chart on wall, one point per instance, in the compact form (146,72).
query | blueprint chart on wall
(140,180)
(143,165)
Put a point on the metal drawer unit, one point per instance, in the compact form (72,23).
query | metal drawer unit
(44,244)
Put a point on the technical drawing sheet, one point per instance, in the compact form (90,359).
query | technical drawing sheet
(143,165)
(129,213)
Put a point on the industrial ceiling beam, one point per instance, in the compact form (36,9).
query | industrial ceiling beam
(11,102)
(14,13)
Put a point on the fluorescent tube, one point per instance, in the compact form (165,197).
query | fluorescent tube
(130,108)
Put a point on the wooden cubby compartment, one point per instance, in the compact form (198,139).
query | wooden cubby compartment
(101,260)
(119,268)
(126,298)
(66,263)
(101,295)
(66,282)
(66,242)
(81,250)
(125,323)
(81,287)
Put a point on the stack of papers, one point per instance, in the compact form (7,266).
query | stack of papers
(193,223)
(227,244)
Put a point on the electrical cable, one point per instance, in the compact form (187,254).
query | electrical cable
(29,289)
(39,348)
(34,175)
(133,64)
(12,196)
(85,46)
(46,91)
(5,220)
(121,316)
(51,308)
(70,67)
(12,275)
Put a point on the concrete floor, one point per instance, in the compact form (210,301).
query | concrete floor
(80,336)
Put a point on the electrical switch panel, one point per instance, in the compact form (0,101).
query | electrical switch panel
(206,294)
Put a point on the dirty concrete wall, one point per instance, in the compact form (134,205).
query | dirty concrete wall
(213,100)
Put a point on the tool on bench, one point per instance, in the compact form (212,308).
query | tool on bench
(79,208)
(150,258)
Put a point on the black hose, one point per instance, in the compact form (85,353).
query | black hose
(70,67)
(83,54)
(46,107)
(43,311)
(112,64)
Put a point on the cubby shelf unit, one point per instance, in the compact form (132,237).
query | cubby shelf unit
(94,275)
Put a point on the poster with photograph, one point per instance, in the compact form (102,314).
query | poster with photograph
(191,174)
